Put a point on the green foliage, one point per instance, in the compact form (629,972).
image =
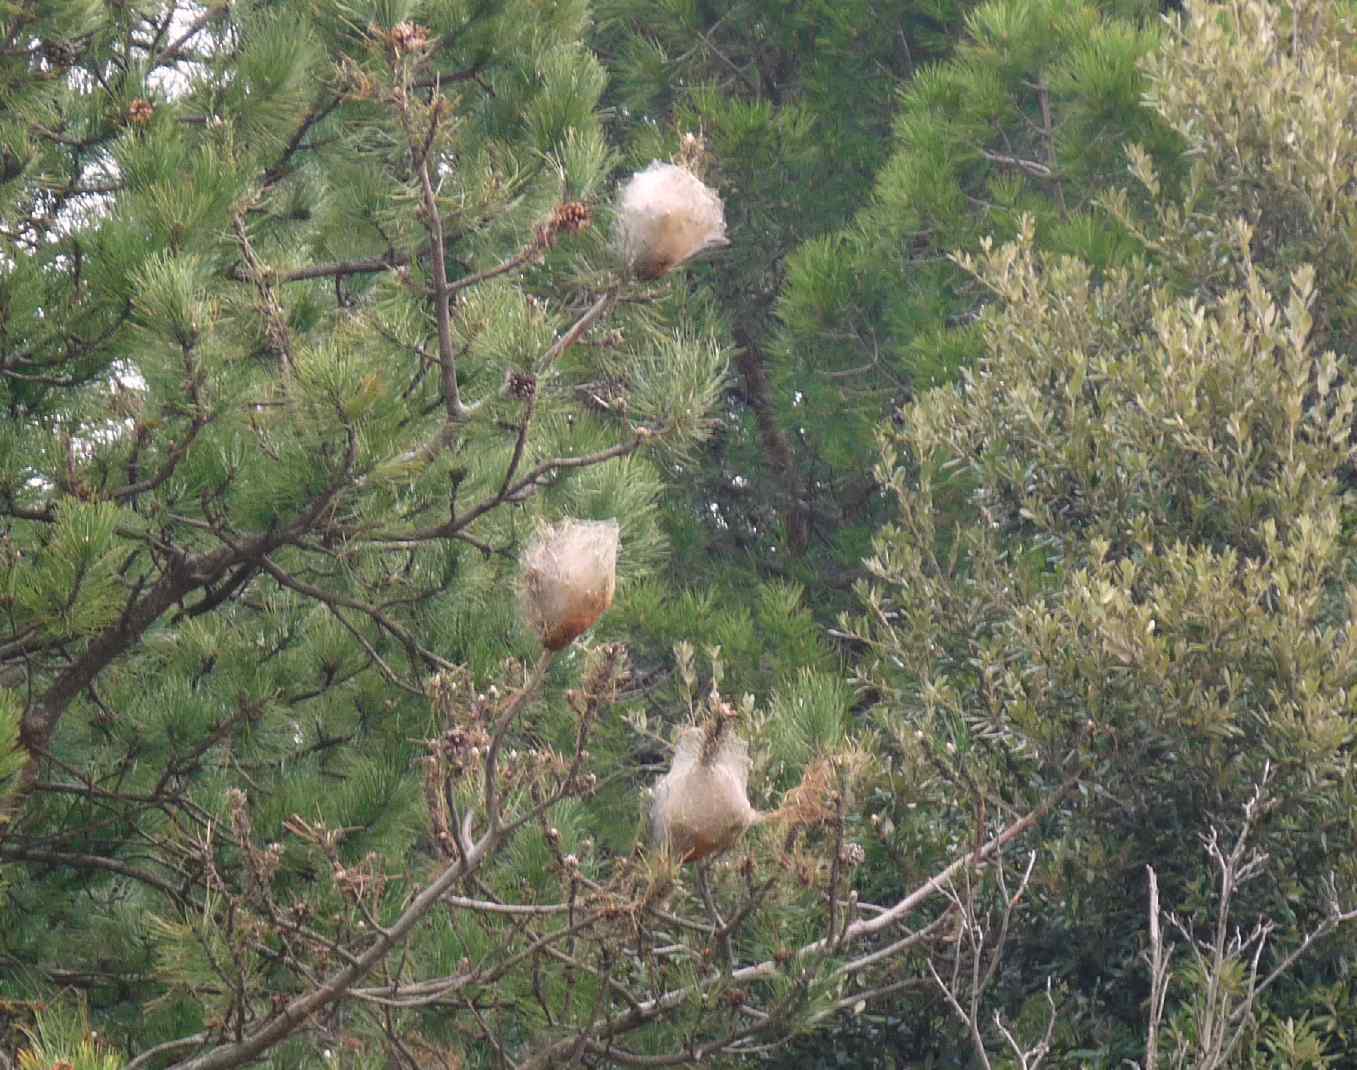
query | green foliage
(809,717)
(1122,560)
(1029,116)
(60,1037)
(1265,143)
(11,757)
(310,317)
(70,587)
(791,103)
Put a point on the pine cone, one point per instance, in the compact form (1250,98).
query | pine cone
(140,112)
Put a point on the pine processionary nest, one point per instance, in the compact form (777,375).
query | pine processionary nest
(567,577)
(666,216)
(701,805)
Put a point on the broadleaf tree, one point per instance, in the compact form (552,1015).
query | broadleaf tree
(1122,562)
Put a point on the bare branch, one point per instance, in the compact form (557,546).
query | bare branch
(597,309)
(1032,167)
(442,294)
(297,1011)
(1160,960)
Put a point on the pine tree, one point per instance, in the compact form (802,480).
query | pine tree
(313,339)
(302,307)
(793,102)
(1028,116)
(317,346)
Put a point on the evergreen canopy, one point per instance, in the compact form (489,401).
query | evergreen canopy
(323,355)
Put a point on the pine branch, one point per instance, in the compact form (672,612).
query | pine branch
(501,726)
(1032,167)
(517,491)
(414,650)
(634,1018)
(78,860)
(442,289)
(299,1011)
(183,575)
(314,116)
(342,268)
(171,51)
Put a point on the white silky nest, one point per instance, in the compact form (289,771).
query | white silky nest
(567,577)
(666,216)
(702,807)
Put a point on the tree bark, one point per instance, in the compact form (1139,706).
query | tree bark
(776,447)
